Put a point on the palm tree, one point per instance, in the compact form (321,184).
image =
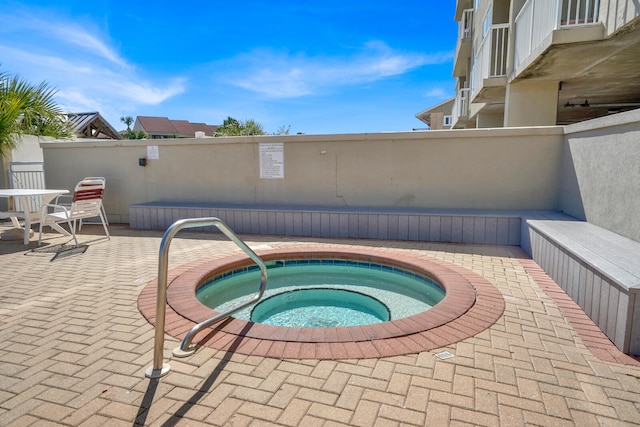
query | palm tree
(127,120)
(129,133)
(27,109)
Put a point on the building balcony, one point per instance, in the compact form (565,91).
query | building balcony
(460,110)
(461,6)
(541,23)
(463,46)
(489,71)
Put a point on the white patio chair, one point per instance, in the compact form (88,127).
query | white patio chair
(65,200)
(94,180)
(86,203)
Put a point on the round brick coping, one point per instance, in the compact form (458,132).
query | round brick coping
(471,305)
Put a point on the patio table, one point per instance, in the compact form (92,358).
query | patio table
(23,195)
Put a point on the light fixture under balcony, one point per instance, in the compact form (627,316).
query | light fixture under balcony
(603,105)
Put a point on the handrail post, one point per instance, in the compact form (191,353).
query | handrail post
(159,369)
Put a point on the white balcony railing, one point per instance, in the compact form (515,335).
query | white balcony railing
(465,32)
(465,27)
(539,18)
(579,12)
(491,59)
(460,106)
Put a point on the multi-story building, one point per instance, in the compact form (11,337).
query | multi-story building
(545,62)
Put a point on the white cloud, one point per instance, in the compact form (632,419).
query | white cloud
(277,82)
(29,24)
(74,101)
(80,62)
(72,75)
(80,37)
(282,75)
(436,92)
(146,93)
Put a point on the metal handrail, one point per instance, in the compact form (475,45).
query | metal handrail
(159,369)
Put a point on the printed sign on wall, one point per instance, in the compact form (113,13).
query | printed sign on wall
(152,152)
(272,160)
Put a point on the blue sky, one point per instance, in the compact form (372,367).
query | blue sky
(318,67)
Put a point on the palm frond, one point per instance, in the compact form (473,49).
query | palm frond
(28,109)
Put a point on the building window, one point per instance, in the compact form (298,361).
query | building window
(447,120)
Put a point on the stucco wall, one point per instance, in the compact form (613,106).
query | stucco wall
(460,169)
(601,173)
(27,149)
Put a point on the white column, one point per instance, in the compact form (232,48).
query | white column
(530,103)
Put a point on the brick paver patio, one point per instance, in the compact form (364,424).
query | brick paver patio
(75,348)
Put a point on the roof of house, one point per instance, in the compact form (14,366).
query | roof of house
(156,124)
(444,107)
(203,127)
(181,126)
(92,125)
(177,128)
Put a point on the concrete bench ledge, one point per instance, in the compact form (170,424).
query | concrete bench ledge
(539,214)
(609,253)
(599,270)
(502,227)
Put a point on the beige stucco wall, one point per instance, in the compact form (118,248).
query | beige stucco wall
(437,121)
(27,149)
(469,169)
(489,120)
(601,173)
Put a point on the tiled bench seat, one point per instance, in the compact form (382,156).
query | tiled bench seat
(598,269)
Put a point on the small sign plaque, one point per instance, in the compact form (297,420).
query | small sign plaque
(272,160)
(152,152)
